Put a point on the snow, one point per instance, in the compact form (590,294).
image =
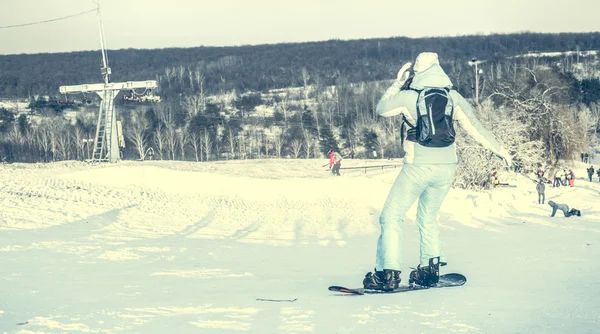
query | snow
(15,105)
(559,54)
(183,247)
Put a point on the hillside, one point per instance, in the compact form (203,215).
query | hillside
(185,247)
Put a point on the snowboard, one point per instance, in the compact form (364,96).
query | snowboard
(446,281)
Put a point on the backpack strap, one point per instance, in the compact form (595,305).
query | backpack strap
(403,129)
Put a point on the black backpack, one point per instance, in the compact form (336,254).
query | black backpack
(434,127)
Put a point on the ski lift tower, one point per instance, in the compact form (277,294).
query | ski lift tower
(106,142)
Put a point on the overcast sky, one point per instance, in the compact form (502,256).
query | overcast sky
(187,23)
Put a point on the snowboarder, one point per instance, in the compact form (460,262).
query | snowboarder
(541,188)
(564,208)
(429,166)
(590,172)
(335,162)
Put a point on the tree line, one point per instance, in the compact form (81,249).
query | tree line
(264,67)
(544,109)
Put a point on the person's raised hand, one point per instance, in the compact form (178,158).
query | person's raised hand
(404,73)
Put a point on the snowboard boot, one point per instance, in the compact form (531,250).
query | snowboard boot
(427,275)
(385,280)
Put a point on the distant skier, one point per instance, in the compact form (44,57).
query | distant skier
(564,208)
(541,189)
(429,166)
(598,173)
(590,172)
(495,180)
(586,158)
(335,162)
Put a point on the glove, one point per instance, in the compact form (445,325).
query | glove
(404,73)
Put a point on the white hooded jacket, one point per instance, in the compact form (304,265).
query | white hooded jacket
(428,73)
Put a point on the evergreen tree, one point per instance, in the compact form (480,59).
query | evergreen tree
(370,141)
(6,119)
(327,141)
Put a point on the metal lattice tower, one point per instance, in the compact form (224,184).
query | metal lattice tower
(106,142)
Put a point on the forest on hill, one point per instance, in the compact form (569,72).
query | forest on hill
(538,93)
(264,67)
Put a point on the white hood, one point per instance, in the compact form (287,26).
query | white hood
(425,60)
(429,73)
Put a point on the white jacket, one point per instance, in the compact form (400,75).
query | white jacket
(395,102)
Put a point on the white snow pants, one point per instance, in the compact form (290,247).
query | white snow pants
(428,183)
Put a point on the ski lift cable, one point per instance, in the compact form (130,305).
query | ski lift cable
(47,21)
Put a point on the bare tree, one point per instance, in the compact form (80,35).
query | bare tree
(195,141)
(63,142)
(190,78)
(79,136)
(166,114)
(284,105)
(277,138)
(159,140)
(308,143)
(182,140)
(180,73)
(250,135)
(193,105)
(16,139)
(476,163)
(207,143)
(169,75)
(241,145)
(200,82)
(268,144)
(218,139)
(43,139)
(540,99)
(136,132)
(296,146)
(259,140)
(171,141)
(305,78)
(53,133)
(231,141)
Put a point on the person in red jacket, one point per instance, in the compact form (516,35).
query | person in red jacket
(335,162)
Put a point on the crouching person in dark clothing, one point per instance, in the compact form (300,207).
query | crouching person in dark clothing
(564,208)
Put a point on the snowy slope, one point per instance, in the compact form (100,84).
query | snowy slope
(179,247)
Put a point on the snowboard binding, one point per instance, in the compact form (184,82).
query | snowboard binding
(426,276)
(386,280)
